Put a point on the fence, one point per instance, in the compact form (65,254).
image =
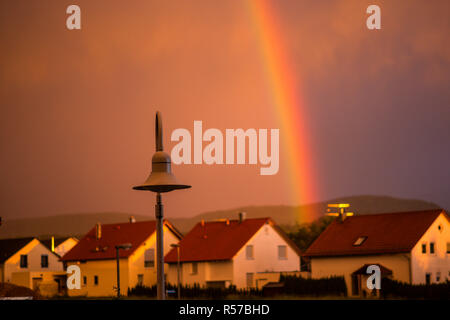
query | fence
(288,285)
(196,291)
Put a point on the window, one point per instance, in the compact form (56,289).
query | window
(282,252)
(44,261)
(249,252)
(360,241)
(96,280)
(448,247)
(431,247)
(23,261)
(84,280)
(424,248)
(428,278)
(140,280)
(249,280)
(438,276)
(149,258)
(194,268)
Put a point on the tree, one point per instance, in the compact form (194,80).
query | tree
(305,234)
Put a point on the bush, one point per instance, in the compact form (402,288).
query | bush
(9,290)
(393,288)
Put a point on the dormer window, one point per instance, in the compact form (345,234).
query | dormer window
(359,241)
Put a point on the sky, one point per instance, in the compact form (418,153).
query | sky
(78,106)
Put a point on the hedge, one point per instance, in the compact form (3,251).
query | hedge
(332,286)
(393,288)
(292,285)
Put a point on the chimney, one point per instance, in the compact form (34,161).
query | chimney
(132,219)
(242,216)
(98,231)
(204,229)
(53,244)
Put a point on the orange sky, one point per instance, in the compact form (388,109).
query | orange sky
(76,130)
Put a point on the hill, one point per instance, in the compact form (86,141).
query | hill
(289,216)
(286,216)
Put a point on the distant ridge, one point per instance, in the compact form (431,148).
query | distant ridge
(62,225)
(287,216)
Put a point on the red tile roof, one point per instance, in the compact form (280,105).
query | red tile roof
(385,233)
(218,240)
(89,248)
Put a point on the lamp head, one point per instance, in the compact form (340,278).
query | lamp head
(161,178)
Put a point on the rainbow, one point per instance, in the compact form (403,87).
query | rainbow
(288,105)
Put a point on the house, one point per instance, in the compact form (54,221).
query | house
(95,254)
(27,262)
(412,247)
(60,246)
(233,252)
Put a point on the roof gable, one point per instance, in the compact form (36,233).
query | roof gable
(9,247)
(58,241)
(383,233)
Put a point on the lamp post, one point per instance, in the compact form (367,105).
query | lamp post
(160,180)
(125,246)
(176,245)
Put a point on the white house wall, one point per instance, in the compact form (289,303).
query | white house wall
(206,271)
(432,263)
(136,260)
(265,250)
(33,250)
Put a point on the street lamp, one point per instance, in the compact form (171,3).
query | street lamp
(175,245)
(160,180)
(125,246)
